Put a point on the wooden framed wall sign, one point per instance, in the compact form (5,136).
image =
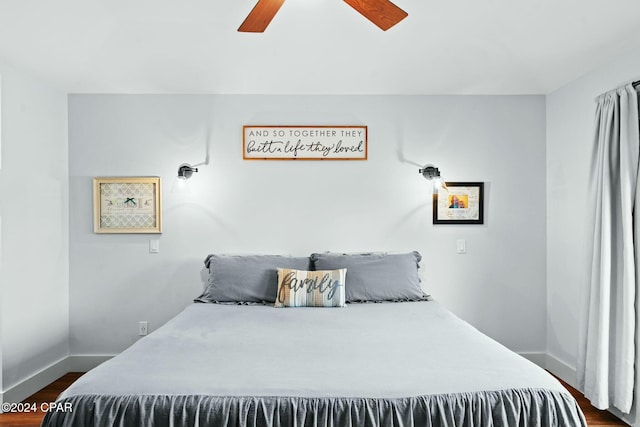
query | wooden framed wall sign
(304,143)
(127,205)
(459,203)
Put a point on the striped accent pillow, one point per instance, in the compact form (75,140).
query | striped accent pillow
(299,288)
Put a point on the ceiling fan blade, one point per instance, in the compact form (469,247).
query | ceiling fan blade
(260,16)
(383,13)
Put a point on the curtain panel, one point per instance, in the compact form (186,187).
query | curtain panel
(607,348)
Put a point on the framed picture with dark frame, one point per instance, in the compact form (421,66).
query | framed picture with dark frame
(459,203)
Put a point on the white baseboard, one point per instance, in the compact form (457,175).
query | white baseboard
(36,382)
(46,376)
(85,363)
(561,370)
(539,359)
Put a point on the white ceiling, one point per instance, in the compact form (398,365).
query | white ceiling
(315,46)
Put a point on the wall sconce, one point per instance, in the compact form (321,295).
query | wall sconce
(185,171)
(180,185)
(432,173)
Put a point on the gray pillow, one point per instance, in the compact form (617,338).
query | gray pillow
(246,278)
(376,276)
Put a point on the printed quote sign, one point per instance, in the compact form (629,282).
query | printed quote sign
(304,142)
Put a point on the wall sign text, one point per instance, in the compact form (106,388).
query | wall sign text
(304,142)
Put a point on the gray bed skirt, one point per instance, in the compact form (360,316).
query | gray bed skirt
(505,408)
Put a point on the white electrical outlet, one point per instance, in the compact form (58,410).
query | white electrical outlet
(143,328)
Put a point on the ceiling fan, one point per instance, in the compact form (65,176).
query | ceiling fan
(383,13)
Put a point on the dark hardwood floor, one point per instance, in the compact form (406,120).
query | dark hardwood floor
(595,418)
(46,395)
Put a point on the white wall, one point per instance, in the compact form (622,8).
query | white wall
(34,261)
(248,206)
(570,119)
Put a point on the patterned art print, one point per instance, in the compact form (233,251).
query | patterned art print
(128,206)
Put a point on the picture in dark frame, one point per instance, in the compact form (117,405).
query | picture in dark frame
(459,203)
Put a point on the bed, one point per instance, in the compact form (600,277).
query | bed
(407,361)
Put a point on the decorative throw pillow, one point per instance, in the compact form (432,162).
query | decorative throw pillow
(299,288)
(376,276)
(245,278)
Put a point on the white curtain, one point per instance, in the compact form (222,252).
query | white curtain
(607,348)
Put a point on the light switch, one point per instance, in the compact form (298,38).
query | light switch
(462,246)
(154,246)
